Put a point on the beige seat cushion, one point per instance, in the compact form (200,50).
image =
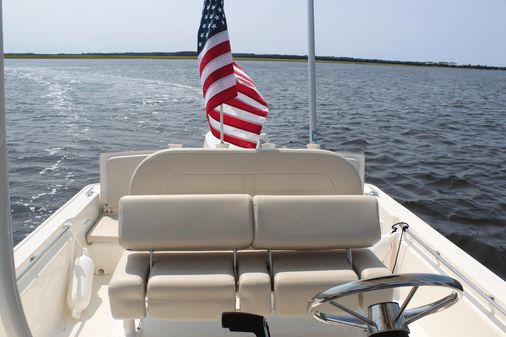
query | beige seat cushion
(248,171)
(104,231)
(298,276)
(254,283)
(127,288)
(315,222)
(367,265)
(186,222)
(191,286)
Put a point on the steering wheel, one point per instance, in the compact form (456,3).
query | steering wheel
(389,316)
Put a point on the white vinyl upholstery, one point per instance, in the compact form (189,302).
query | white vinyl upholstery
(298,276)
(127,288)
(191,286)
(254,283)
(315,222)
(186,222)
(307,236)
(253,172)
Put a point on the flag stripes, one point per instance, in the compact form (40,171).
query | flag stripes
(225,83)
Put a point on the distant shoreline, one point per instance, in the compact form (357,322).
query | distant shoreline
(246,56)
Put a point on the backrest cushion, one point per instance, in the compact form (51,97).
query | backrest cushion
(246,171)
(185,222)
(315,222)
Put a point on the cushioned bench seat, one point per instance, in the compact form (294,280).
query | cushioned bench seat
(316,230)
(179,285)
(206,250)
(183,286)
(298,276)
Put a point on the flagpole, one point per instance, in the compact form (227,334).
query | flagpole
(311,72)
(221,124)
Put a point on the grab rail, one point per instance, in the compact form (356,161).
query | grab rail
(489,298)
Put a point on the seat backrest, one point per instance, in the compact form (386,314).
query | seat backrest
(315,222)
(116,171)
(253,172)
(185,222)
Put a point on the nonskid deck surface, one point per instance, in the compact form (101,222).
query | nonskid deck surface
(96,321)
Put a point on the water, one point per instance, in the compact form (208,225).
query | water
(434,138)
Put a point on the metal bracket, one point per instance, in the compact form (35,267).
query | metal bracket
(106,209)
(151,258)
(349,256)
(236,270)
(271,268)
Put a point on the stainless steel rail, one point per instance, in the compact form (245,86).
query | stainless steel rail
(447,264)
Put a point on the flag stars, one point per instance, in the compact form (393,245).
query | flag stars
(213,22)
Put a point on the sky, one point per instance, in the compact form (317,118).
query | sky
(463,31)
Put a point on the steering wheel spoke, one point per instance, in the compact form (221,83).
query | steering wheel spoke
(406,301)
(353,313)
(417,313)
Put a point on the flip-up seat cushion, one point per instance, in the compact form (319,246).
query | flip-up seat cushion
(127,288)
(298,276)
(191,286)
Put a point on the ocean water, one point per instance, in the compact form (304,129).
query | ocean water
(434,138)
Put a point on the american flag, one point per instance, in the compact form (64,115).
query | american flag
(225,83)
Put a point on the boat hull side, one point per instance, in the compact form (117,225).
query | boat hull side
(44,257)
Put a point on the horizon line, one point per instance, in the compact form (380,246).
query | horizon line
(246,55)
